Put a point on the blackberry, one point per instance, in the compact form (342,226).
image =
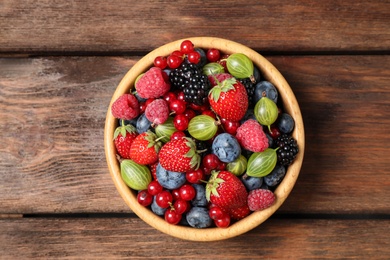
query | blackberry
(288,149)
(250,90)
(190,79)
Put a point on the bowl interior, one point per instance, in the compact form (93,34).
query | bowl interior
(282,191)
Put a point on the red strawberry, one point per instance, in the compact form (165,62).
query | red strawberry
(123,138)
(125,107)
(251,136)
(229,99)
(152,84)
(240,212)
(144,149)
(179,155)
(260,199)
(225,190)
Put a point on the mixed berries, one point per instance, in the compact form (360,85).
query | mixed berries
(203,139)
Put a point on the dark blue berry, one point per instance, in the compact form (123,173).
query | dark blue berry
(276,176)
(251,183)
(168,179)
(143,124)
(198,217)
(265,89)
(285,123)
(226,147)
(156,208)
(200,198)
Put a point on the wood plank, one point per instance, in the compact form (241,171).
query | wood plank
(53,112)
(129,237)
(131,26)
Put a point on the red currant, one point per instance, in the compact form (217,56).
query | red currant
(180,122)
(172,217)
(144,198)
(223,222)
(154,187)
(181,206)
(186,47)
(195,176)
(178,54)
(216,212)
(209,113)
(189,113)
(175,194)
(274,133)
(187,192)
(211,161)
(169,97)
(160,62)
(177,106)
(174,61)
(194,57)
(213,55)
(142,107)
(180,96)
(230,126)
(164,199)
(177,135)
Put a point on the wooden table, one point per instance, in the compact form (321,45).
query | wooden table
(60,62)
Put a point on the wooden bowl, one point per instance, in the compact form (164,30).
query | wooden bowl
(282,191)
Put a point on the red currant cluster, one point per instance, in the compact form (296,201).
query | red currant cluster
(176,202)
(187,49)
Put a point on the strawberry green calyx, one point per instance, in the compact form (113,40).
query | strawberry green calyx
(153,140)
(192,153)
(213,184)
(124,129)
(224,86)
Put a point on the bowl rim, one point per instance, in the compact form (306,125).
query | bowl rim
(281,192)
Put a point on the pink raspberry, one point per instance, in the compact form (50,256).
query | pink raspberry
(214,79)
(260,199)
(125,107)
(157,111)
(251,136)
(152,84)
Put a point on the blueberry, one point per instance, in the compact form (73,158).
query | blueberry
(203,57)
(156,208)
(271,141)
(268,89)
(143,124)
(198,217)
(285,123)
(256,73)
(140,99)
(276,176)
(168,179)
(200,198)
(251,183)
(132,122)
(226,147)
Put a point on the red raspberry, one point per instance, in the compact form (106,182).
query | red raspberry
(260,199)
(157,112)
(152,84)
(251,136)
(125,107)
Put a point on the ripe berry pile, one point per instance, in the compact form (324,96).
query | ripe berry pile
(203,138)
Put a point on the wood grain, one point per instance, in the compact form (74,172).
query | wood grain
(136,26)
(99,238)
(53,111)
